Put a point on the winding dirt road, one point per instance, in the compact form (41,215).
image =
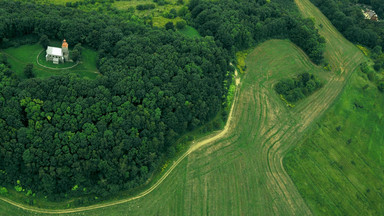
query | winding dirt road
(193,148)
(277,129)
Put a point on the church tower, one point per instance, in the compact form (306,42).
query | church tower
(64,47)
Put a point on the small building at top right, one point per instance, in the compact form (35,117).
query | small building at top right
(370,14)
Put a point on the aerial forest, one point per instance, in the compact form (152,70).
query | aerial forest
(68,136)
(347,16)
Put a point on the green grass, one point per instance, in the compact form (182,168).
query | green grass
(50,64)
(338,168)
(242,174)
(189,31)
(230,176)
(19,57)
(157,13)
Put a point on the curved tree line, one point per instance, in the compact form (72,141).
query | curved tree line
(66,136)
(238,25)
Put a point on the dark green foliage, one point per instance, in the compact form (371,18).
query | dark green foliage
(111,133)
(381,86)
(28,71)
(347,17)
(169,26)
(76,53)
(181,24)
(145,6)
(295,89)
(44,41)
(3,59)
(240,24)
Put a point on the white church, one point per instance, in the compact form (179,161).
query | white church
(58,55)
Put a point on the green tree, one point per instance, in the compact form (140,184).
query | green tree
(28,71)
(44,41)
(181,24)
(169,26)
(75,55)
(381,86)
(3,191)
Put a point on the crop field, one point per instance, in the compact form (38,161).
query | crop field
(338,168)
(242,172)
(19,57)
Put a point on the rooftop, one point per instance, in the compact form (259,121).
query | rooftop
(54,51)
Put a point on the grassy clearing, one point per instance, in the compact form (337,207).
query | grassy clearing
(189,31)
(242,173)
(19,57)
(50,64)
(338,168)
(157,14)
(230,176)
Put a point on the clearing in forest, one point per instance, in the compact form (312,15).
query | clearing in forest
(20,56)
(242,173)
(236,174)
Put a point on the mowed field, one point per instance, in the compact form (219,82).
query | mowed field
(232,176)
(242,173)
(338,168)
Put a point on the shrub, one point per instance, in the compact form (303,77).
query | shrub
(169,26)
(300,87)
(145,6)
(381,86)
(3,191)
(28,71)
(181,24)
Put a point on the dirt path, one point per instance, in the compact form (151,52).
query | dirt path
(277,130)
(193,148)
(50,68)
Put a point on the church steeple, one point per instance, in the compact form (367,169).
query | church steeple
(64,47)
(65,44)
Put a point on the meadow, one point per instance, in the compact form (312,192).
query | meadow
(233,175)
(242,173)
(20,56)
(338,167)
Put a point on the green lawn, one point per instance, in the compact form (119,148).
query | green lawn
(189,31)
(19,57)
(50,64)
(339,168)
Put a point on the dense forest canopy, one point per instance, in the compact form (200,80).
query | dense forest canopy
(294,89)
(70,136)
(348,18)
(110,133)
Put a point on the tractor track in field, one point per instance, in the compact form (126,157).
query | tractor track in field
(287,131)
(277,130)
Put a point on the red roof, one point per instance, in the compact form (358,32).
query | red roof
(65,44)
